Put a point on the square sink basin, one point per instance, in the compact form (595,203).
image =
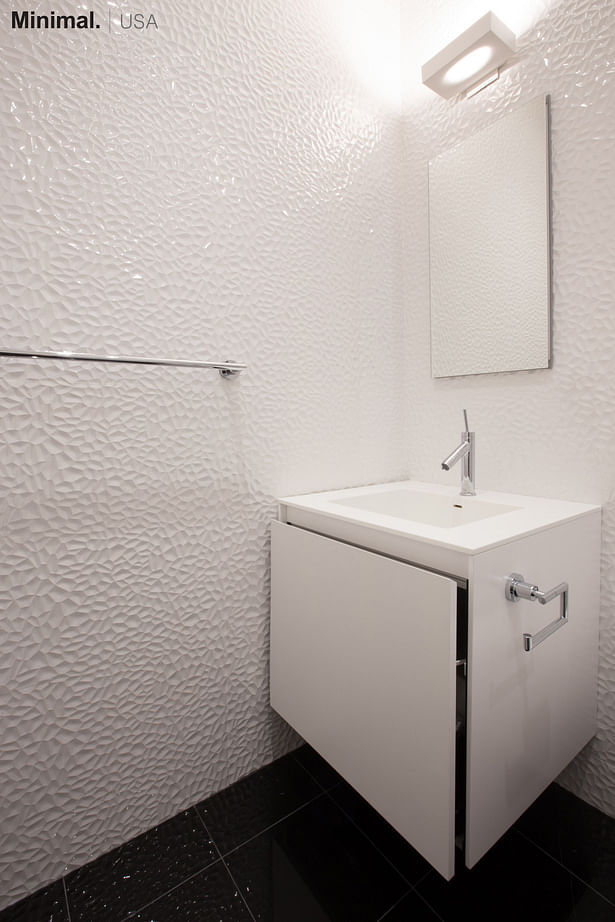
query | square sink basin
(427,508)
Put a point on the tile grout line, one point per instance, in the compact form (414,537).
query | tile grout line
(267,828)
(382,918)
(228,870)
(562,865)
(420,897)
(134,912)
(325,788)
(66,899)
(365,835)
(327,791)
(307,771)
(422,878)
(423,900)
(413,887)
(238,889)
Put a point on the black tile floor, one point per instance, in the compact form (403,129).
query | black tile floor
(294,843)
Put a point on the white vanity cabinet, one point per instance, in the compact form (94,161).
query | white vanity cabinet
(400,659)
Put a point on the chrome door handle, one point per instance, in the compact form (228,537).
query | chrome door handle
(517,589)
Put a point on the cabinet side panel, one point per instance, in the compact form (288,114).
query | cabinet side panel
(363,667)
(529,714)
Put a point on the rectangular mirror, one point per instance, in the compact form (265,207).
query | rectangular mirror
(490,265)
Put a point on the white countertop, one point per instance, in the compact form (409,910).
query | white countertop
(525,515)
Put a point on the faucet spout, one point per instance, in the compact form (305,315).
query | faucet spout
(455,456)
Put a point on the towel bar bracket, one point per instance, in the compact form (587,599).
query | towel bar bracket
(517,588)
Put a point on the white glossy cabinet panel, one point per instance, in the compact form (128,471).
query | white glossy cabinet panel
(363,667)
(529,714)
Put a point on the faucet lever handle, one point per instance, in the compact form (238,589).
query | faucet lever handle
(465,419)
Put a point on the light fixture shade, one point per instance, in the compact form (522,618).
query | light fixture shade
(478,51)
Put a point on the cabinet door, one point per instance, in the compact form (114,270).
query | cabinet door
(363,667)
(529,714)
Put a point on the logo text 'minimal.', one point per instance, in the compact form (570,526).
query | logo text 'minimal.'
(27,19)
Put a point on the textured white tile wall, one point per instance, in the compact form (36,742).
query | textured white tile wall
(551,432)
(224,187)
(229,186)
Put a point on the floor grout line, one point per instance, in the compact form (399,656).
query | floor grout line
(66,899)
(312,776)
(371,841)
(423,900)
(364,834)
(134,912)
(422,878)
(239,890)
(564,866)
(306,770)
(414,890)
(271,826)
(326,788)
(228,870)
(395,904)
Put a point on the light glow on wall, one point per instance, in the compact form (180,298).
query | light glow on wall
(366,37)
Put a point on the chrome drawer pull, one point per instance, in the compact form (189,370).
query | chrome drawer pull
(517,589)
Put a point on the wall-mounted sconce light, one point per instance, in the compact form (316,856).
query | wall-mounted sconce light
(472,61)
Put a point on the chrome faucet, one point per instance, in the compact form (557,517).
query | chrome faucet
(464,451)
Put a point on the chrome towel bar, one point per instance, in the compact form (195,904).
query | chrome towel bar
(516,589)
(226,369)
